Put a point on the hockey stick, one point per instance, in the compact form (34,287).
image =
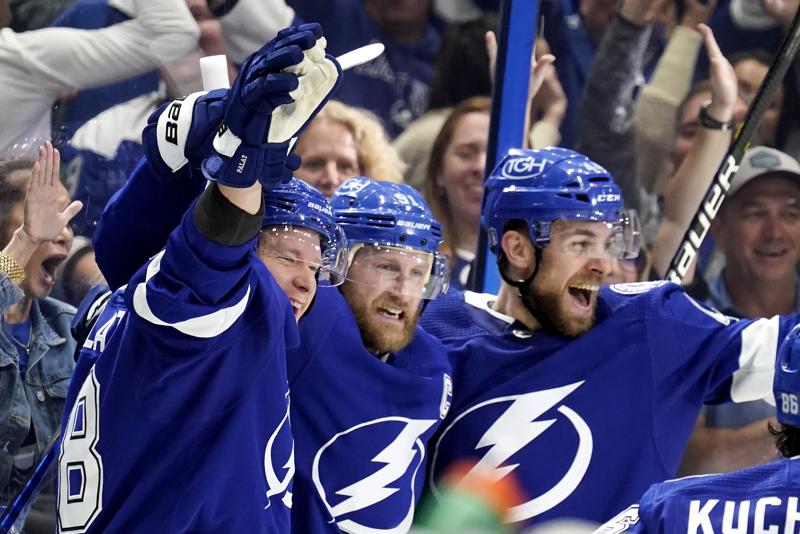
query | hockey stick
(717,191)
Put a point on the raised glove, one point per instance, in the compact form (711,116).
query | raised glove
(278,91)
(182,131)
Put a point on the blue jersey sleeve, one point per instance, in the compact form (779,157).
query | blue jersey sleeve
(732,359)
(192,293)
(153,205)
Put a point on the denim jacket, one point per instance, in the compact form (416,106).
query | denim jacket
(40,395)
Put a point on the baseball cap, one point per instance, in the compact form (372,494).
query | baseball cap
(763,160)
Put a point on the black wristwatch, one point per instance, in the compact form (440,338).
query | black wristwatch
(707,121)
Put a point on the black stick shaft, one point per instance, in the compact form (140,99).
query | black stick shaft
(717,191)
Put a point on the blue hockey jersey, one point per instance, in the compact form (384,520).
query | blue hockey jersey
(760,499)
(182,425)
(361,425)
(587,424)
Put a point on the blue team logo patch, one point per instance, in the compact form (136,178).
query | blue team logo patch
(501,436)
(377,493)
(636,288)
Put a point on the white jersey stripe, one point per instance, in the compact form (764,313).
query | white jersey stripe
(753,379)
(204,326)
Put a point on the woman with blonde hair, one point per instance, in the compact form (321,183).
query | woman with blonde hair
(343,142)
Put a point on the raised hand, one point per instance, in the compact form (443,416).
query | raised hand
(278,91)
(550,102)
(724,87)
(541,64)
(43,218)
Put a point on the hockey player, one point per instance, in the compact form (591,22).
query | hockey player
(182,425)
(758,499)
(586,393)
(369,387)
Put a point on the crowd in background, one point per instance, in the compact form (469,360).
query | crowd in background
(629,87)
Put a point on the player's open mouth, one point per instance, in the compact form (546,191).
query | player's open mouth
(49,267)
(390,312)
(582,294)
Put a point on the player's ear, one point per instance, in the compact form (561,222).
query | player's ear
(519,252)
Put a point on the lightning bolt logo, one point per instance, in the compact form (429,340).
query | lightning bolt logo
(276,484)
(370,490)
(515,428)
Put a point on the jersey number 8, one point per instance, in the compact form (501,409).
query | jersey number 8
(80,467)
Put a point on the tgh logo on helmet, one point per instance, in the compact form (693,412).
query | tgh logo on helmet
(523,167)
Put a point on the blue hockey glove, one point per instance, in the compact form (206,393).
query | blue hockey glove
(278,91)
(182,131)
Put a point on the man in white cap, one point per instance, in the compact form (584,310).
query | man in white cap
(758,231)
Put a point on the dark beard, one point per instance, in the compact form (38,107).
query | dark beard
(377,337)
(553,319)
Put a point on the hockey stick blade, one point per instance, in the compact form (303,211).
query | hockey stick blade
(359,56)
(718,190)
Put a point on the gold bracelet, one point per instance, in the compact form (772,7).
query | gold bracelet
(11,268)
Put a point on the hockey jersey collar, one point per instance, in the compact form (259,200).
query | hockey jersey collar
(483,301)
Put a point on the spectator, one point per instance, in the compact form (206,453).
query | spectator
(464,68)
(36,347)
(37,66)
(627,271)
(461,71)
(343,142)
(574,30)
(454,183)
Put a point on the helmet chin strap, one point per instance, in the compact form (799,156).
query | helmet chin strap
(524,288)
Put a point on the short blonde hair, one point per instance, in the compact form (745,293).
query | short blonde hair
(377,158)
